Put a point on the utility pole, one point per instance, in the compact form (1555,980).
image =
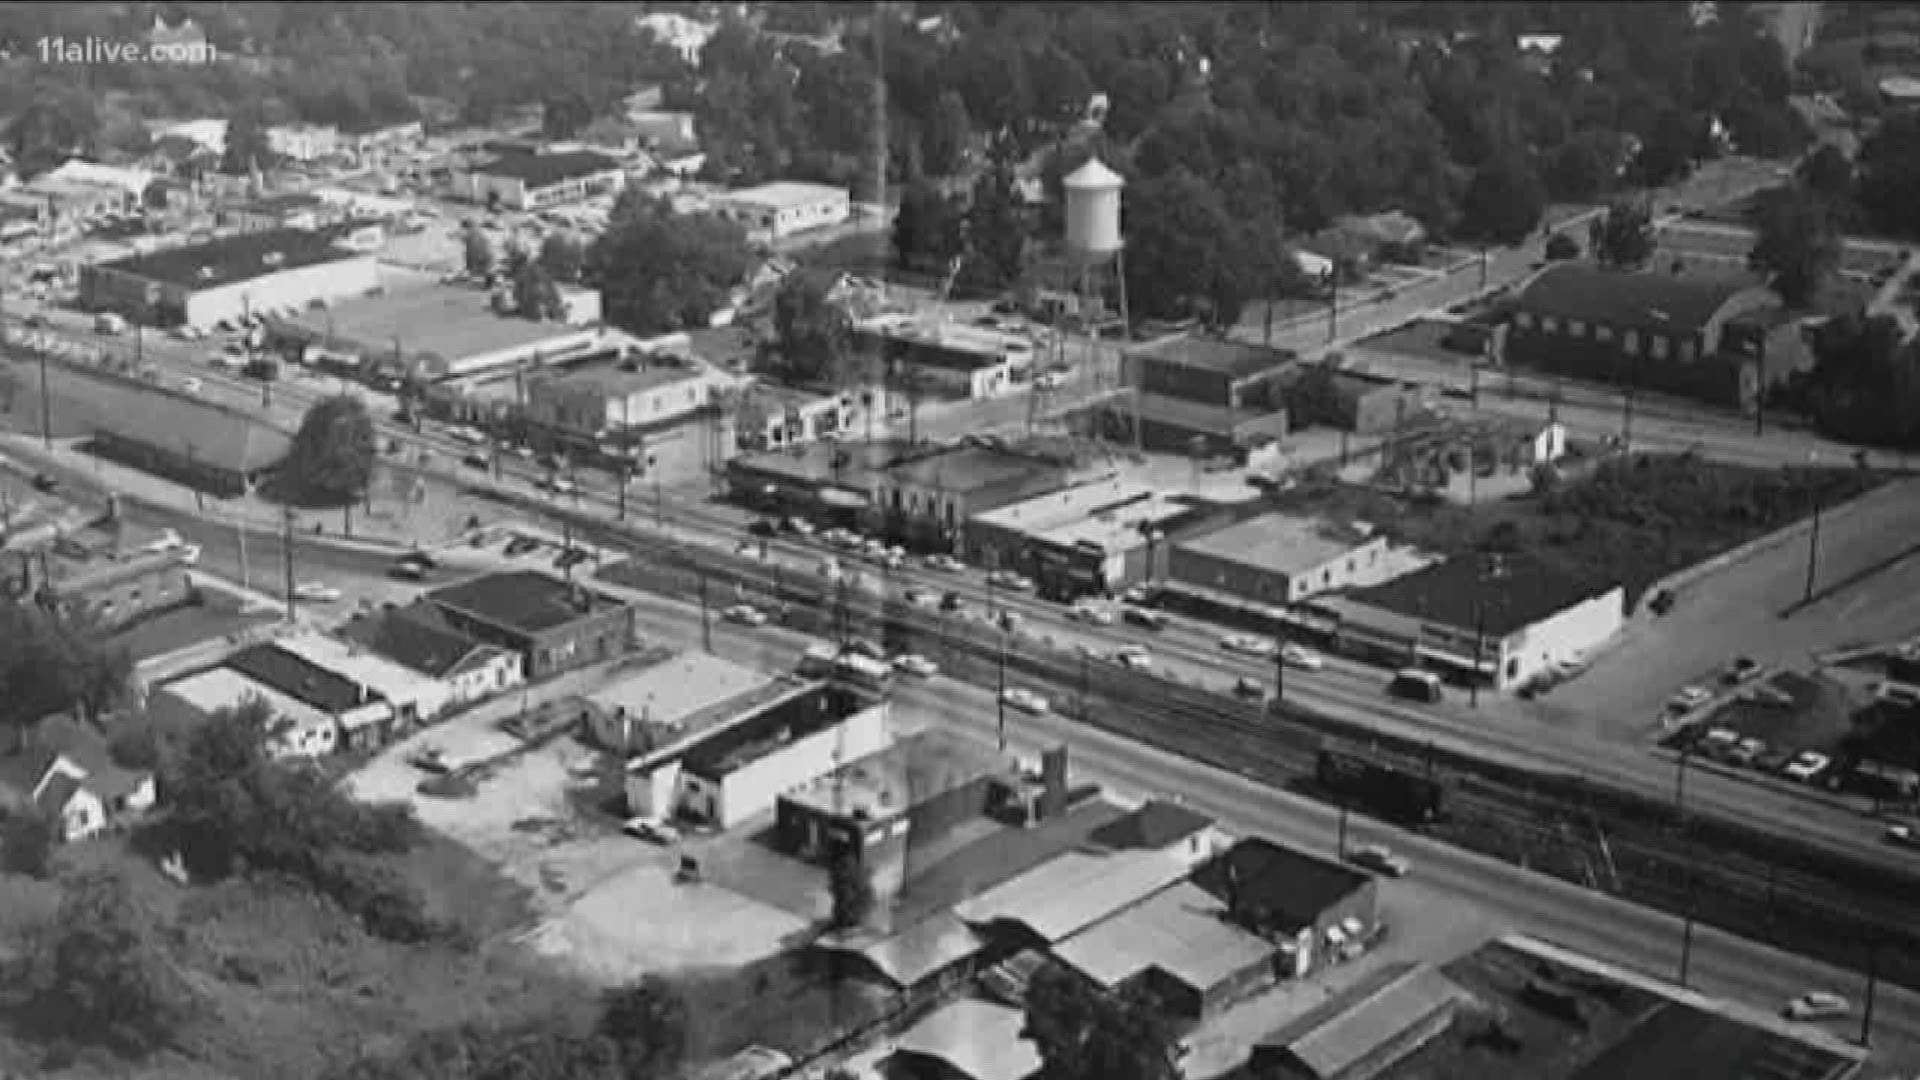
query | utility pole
(1479,652)
(706,617)
(286,558)
(1279,665)
(1342,850)
(1000,695)
(626,480)
(1873,984)
(1333,308)
(1813,555)
(46,403)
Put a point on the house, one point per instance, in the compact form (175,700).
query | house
(416,638)
(776,211)
(1318,909)
(683,35)
(553,625)
(65,774)
(1275,558)
(1220,396)
(1499,620)
(1683,335)
(1391,236)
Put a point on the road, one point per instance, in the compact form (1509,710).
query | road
(1514,899)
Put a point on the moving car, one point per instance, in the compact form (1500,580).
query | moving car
(1412,684)
(1903,836)
(1095,614)
(1249,688)
(1145,618)
(1007,579)
(652,830)
(429,759)
(1817,1005)
(1025,701)
(316,592)
(916,665)
(951,601)
(478,461)
(1299,656)
(1380,860)
(746,615)
(1248,645)
(1807,766)
(946,563)
(1133,657)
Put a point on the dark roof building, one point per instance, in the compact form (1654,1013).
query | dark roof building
(1664,303)
(1156,825)
(416,638)
(1282,889)
(203,446)
(231,259)
(553,624)
(298,678)
(228,278)
(1227,394)
(1364,1031)
(543,170)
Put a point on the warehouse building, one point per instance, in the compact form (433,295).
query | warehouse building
(1076,890)
(776,211)
(365,719)
(414,698)
(1276,559)
(918,790)
(1091,539)
(1317,909)
(968,1039)
(965,362)
(742,765)
(553,625)
(1365,1030)
(1215,396)
(538,181)
(198,445)
(294,729)
(230,278)
(416,638)
(929,499)
(639,394)
(665,703)
(1179,944)
(1499,620)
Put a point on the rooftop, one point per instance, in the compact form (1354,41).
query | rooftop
(1155,825)
(928,946)
(190,429)
(814,462)
(1291,886)
(1499,597)
(283,203)
(348,660)
(671,692)
(525,601)
(232,259)
(430,321)
(1183,932)
(1275,542)
(980,1040)
(545,170)
(783,195)
(1074,891)
(1109,513)
(935,887)
(773,727)
(224,688)
(297,677)
(617,380)
(1628,298)
(945,345)
(910,772)
(1375,1013)
(415,638)
(965,468)
(1234,359)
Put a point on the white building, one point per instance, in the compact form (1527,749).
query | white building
(670,702)
(524,181)
(131,183)
(414,697)
(303,142)
(1509,618)
(468,671)
(1277,559)
(738,768)
(949,360)
(681,34)
(779,210)
(776,417)
(229,278)
(636,393)
(210,135)
(295,728)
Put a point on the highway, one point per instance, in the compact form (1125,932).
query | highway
(1514,899)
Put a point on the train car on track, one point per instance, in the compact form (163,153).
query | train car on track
(1389,792)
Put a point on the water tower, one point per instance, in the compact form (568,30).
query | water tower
(1095,255)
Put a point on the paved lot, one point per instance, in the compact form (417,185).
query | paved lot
(1737,612)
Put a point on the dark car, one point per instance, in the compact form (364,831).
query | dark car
(950,602)
(478,461)
(762,527)
(43,482)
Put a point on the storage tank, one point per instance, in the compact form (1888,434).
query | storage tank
(1093,210)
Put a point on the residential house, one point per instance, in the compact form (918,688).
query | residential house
(65,774)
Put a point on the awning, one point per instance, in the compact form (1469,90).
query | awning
(843,499)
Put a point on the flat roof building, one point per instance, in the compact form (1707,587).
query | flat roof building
(535,181)
(413,697)
(200,445)
(1500,619)
(554,625)
(776,211)
(294,729)
(364,718)
(1276,558)
(1087,539)
(637,394)
(662,705)
(418,639)
(1181,943)
(929,498)
(1317,908)
(968,362)
(1224,396)
(436,331)
(228,278)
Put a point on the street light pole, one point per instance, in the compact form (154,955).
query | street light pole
(1479,651)
(1873,983)
(1813,555)
(1000,696)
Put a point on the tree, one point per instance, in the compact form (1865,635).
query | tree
(813,334)
(660,271)
(850,888)
(54,662)
(1865,384)
(564,113)
(331,460)
(1186,257)
(26,844)
(1081,1034)
(928,229)
(1622,237)
(996,230)
(100,978)
(1827,173)
(478,253)
(60,122)
(1504,202)
(1671,149)
(1561,247)
(949,130)
(1584,167)
(247,148)
(647,1024)
(535,296)
(1795,245)
(1889,173)
(562,257)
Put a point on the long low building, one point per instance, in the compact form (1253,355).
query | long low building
(948,361)
(199,445)
(1087,540)
(229,278)
(553,625)
(779,210)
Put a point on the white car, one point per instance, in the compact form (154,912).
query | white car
(316,592)
(1007,579)
(1133,657)
(1248,645)
(652,830)
(746,615)
(1299,656)
(1025,700)
(1380,860)
(189,386)
(1094,614)
(1903,836)
(1687,699)
(916,665)
(1050,380)
(1817,1005)
(1807,766)
(945,563)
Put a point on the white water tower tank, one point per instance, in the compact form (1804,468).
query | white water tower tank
(1093,210)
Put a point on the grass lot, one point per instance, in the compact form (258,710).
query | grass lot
(1633,521)
(287,984)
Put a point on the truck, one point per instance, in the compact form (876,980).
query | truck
(1386,791)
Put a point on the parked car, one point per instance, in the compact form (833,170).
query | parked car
(1145,618)
(44,483)
(1299,656)
(1743,669)
(1007,579)
(430,759)
(1133,657)
(919,597)
(315,592)
(1807,766)
(1902,836)
(520,545)
(945,563)
(1251,688)
(1380,860)
(1025,701)
(1093,614)
(761,527)
(798,526)
(951,601)
(571,558)
(652,830)
(1413,684)
(190,386)
(1248,645)
(477,461)
(916,665)
(1747,751)
(1817,1005)
(746,615)
(1687,699)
